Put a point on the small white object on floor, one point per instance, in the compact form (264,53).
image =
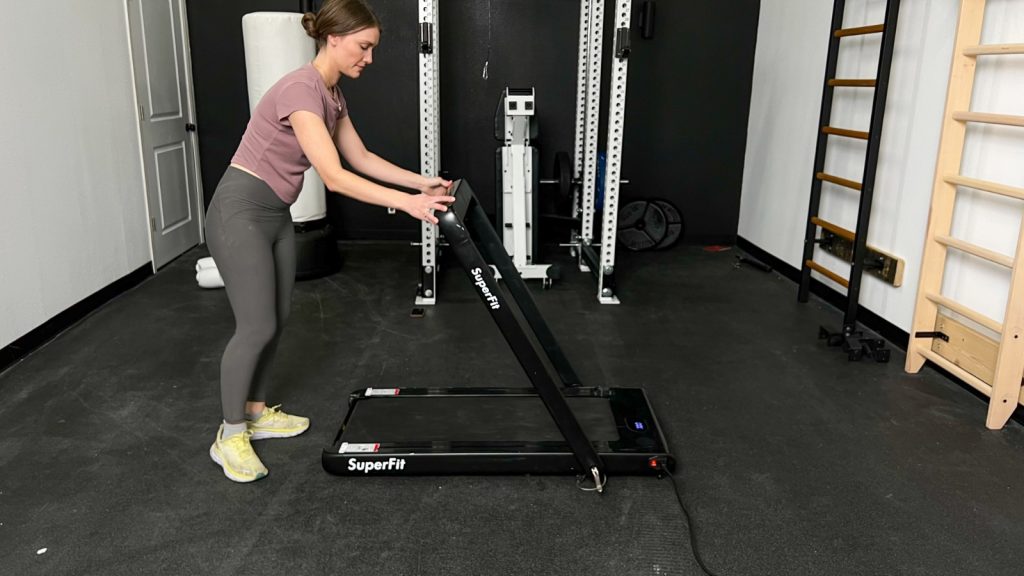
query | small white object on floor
(41,551)
(203,263)
(209,278)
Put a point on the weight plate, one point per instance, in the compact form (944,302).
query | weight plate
(563,174)
(675,224)
(642,225)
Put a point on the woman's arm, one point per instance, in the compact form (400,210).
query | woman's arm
(320,150)
(352,148)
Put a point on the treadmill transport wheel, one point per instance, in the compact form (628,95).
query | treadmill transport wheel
(642,225)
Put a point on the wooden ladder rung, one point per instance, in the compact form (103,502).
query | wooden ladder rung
(985,118)
(838,231)
(853,82)
(830,274)
(974,381)
(844,132)
(840,181)
(847,32)
(965,311)
(975,250)
(994,49)
(993,187)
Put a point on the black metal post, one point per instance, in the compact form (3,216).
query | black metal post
(819,154)
(892,13)
(461,243)
(494,251)
(590,257)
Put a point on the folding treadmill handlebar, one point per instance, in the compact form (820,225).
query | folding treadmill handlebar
(457,210)
(467,213)
(453,225)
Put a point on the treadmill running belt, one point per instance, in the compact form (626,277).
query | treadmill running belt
(473,419)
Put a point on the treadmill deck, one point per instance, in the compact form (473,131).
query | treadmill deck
(477,430)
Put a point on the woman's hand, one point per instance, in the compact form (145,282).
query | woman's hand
(435,186)
(422,206)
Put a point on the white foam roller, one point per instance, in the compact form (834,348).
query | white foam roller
(276,44)
(209,278)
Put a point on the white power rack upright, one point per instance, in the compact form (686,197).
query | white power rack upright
(429,88)
(588,112)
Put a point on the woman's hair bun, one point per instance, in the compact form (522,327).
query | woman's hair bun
(309,24)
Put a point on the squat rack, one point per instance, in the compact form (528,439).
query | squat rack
(596,257)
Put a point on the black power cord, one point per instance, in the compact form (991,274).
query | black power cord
(690,525)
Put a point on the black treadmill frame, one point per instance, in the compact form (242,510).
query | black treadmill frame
(636,452)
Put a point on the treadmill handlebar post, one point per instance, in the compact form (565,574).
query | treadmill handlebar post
(453,225)
(464,213)
(457,210)
(490,244)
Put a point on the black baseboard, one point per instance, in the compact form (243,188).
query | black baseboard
(61,322)
(865,317)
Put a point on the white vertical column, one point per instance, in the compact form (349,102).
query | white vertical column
(436,61)
(595,36)
(582,68)
(616,133)
(430,147)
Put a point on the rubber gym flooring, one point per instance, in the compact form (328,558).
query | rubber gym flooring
(792,460)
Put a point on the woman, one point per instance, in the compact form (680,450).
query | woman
(301,121)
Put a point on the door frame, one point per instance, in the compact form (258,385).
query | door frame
(191,113)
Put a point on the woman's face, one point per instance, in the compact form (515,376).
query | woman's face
(353,52)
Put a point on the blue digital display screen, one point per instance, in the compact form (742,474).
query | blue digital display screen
(638,425)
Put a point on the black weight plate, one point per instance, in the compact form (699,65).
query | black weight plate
(675,224)
(642,225)
(563,173)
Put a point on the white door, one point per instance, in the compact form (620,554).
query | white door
(163,88)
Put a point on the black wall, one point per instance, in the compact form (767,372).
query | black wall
(687,110)
(687,102)
(218,74)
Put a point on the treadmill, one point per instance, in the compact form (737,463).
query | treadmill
(562,428)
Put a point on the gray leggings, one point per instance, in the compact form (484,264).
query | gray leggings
(250,235)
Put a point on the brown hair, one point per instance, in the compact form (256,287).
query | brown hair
(338,18)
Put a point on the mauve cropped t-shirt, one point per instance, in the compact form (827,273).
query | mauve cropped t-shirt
(269,147)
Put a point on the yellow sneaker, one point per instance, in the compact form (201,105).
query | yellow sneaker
(236,456)
(276,424)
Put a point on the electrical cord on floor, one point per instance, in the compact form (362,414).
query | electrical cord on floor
(690,526)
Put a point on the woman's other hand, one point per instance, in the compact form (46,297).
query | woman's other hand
(435,186)
(422,206)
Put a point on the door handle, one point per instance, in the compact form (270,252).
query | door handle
(190,127)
